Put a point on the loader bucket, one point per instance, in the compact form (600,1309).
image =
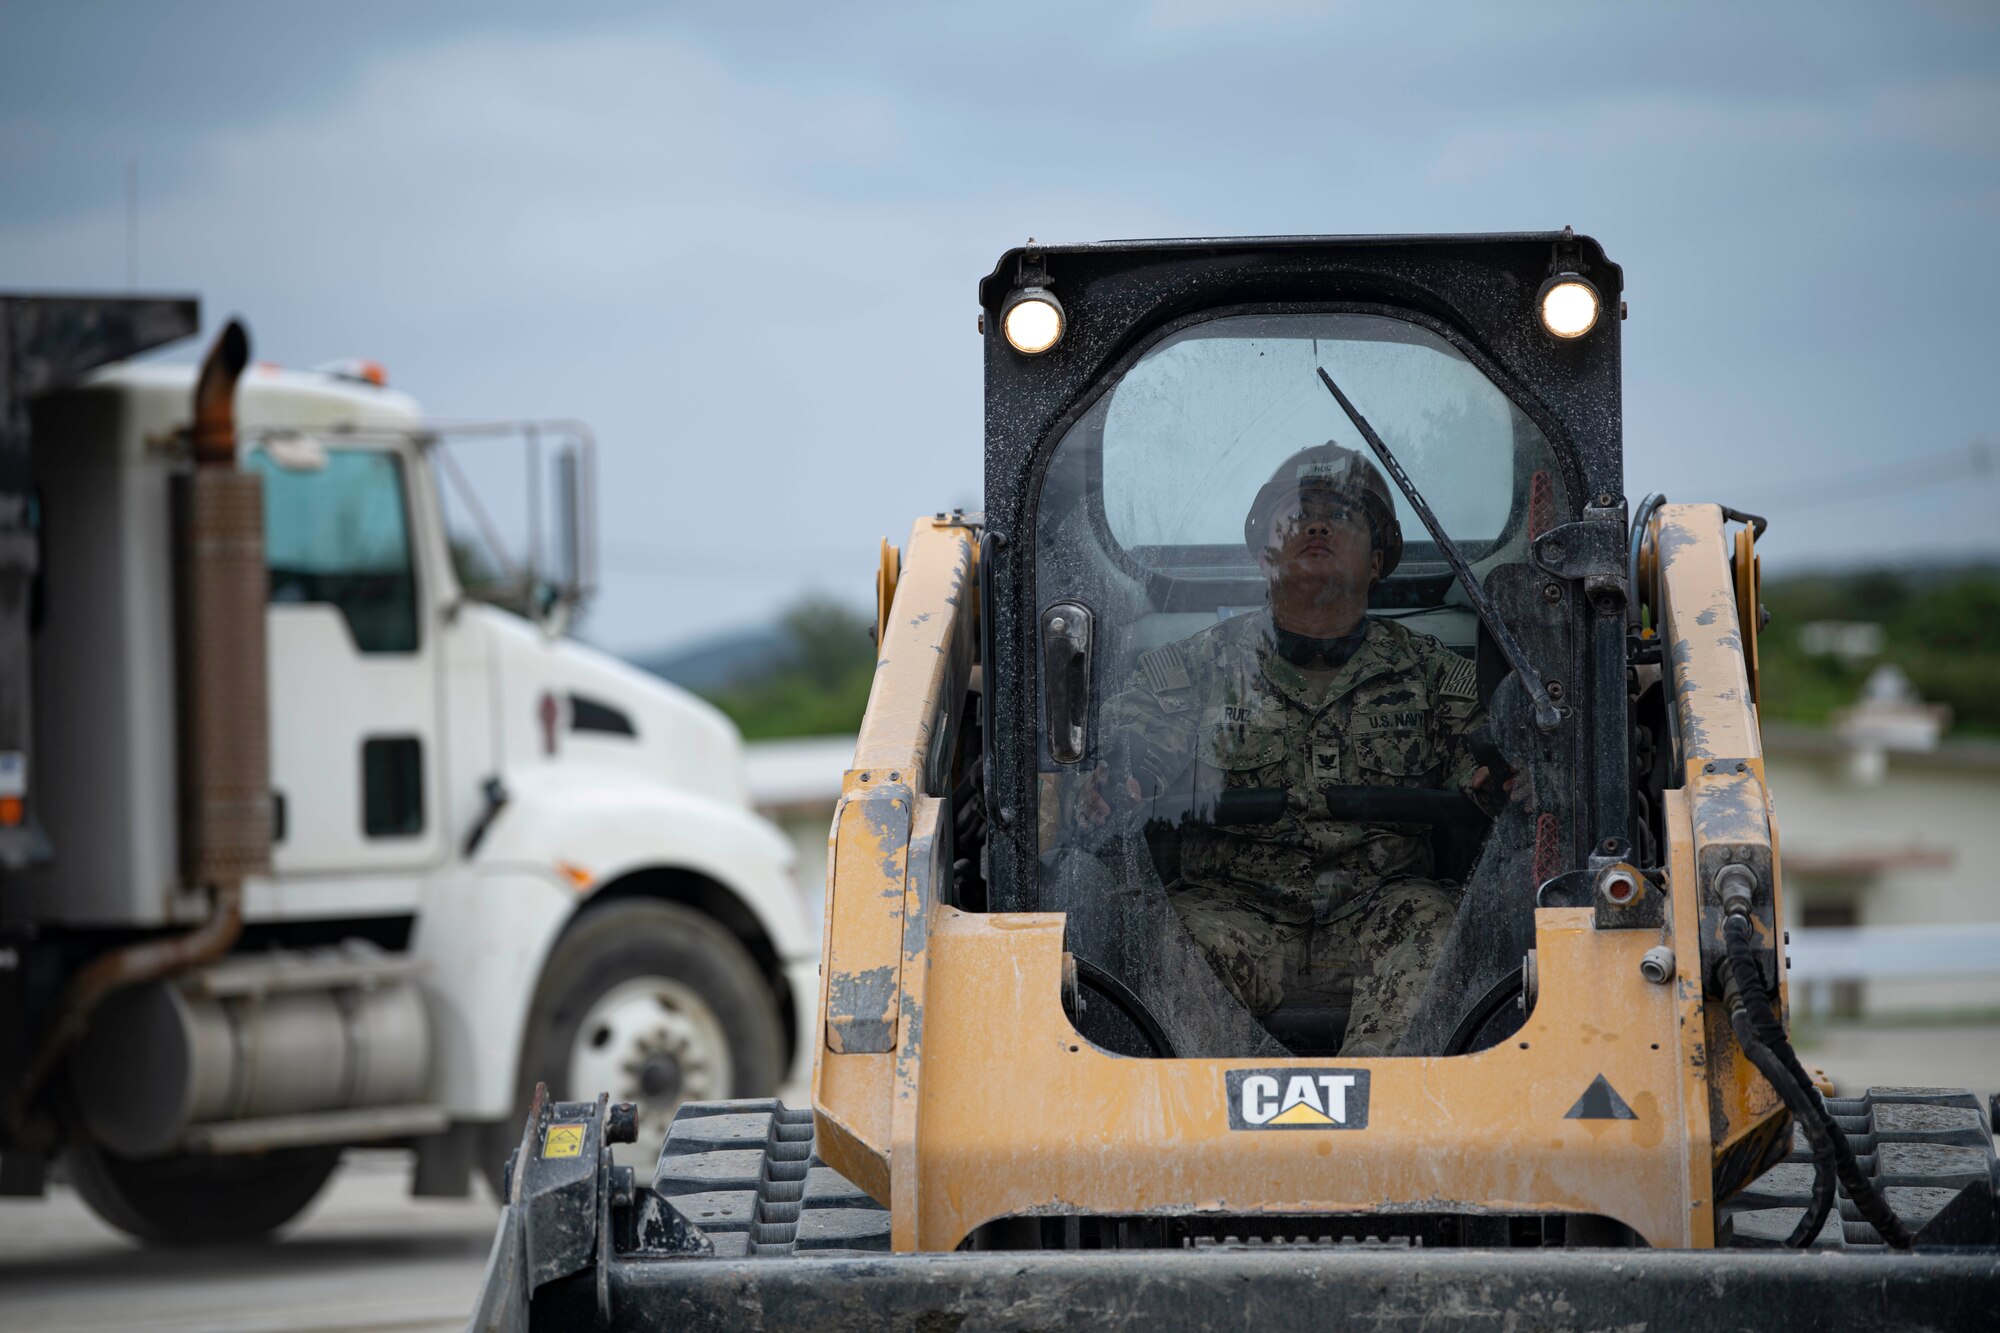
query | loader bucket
(581,1246)
(1268,1287)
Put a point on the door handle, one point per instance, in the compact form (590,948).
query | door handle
(1066,645)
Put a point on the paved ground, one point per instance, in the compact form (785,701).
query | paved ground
(1963,1055)
(366,1256)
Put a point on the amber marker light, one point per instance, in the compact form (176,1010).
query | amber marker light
(1032,321)
(1569,306)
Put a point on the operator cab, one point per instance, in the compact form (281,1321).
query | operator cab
(1213,734)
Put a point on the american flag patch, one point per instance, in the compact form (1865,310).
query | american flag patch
(1460,680)
(1165,670)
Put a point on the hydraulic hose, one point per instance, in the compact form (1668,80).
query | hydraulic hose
(1640,518)
(1764,1041)
(1797,1099)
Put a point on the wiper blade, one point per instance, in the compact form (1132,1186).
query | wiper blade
(1547,717)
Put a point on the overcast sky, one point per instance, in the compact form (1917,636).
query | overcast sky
(743,240)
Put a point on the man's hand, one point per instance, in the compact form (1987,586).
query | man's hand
(1093,805)
(1482,779)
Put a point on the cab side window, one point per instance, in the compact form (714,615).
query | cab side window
(339,535)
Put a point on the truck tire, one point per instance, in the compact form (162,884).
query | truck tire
(745,1173)
(190,1200)
(1920,1146)
(654,1003)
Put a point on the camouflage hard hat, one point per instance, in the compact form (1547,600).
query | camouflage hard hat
(1339,469)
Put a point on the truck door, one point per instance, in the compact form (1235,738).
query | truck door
(355,751)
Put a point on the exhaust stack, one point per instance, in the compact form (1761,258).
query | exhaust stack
(225,765)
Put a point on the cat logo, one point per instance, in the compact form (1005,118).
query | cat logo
(1298,1098)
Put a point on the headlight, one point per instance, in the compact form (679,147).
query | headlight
(1569,306)
(1032,321)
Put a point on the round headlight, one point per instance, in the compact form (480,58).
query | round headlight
(1569,306)
(1032,321)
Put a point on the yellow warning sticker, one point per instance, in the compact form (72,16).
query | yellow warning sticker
(563,1141)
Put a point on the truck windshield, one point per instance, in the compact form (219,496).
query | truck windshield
(338,534)
(1268,772)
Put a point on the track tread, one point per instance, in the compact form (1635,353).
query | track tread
(1921,1146)
(746,1174)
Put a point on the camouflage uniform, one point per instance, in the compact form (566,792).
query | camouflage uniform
(1305,907)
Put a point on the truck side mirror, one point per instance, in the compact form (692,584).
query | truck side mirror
(569,521)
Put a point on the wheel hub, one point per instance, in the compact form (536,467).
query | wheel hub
(653,1041)
(660,1079)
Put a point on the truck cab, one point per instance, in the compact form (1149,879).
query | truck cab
(497,856)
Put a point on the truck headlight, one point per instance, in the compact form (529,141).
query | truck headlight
(1568,305)
(1032,320)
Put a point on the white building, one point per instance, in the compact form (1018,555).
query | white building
(1902,841)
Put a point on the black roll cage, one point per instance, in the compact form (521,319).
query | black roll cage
(1120,298)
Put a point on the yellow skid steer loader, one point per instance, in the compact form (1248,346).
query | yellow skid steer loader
(1308,835)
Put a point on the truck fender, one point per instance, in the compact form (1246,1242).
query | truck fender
(489,925)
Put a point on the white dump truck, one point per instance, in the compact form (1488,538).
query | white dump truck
(314,829)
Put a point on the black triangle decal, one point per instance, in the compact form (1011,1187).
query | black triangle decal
(1600,1101)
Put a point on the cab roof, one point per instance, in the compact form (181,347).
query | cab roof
(269,396)
(1477,289)
(994,287)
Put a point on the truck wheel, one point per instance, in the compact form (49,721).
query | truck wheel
(189,1200)
(746,1174)
(656,1004)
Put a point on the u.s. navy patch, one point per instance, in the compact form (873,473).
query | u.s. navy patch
(1165,669)
(1297,1098)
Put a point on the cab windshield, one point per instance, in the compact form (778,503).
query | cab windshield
(1198,424)
(1276,796)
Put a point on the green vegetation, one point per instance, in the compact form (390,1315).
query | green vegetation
(817,685)
(1941,627)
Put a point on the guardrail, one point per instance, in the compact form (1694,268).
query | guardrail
(1822,956)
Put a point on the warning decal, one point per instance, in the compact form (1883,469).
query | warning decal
(1297,1098)
(563,1141)
(1600,1101)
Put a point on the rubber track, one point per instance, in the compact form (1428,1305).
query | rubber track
(1920,1146)
(746,1174)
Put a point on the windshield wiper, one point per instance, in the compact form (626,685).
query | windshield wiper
(1546,715)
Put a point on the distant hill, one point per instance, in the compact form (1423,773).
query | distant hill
(806,675)
(717,662)
(1916,569)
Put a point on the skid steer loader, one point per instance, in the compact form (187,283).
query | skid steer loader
(1048,1090)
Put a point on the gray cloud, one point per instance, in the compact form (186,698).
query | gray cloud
(743,242)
